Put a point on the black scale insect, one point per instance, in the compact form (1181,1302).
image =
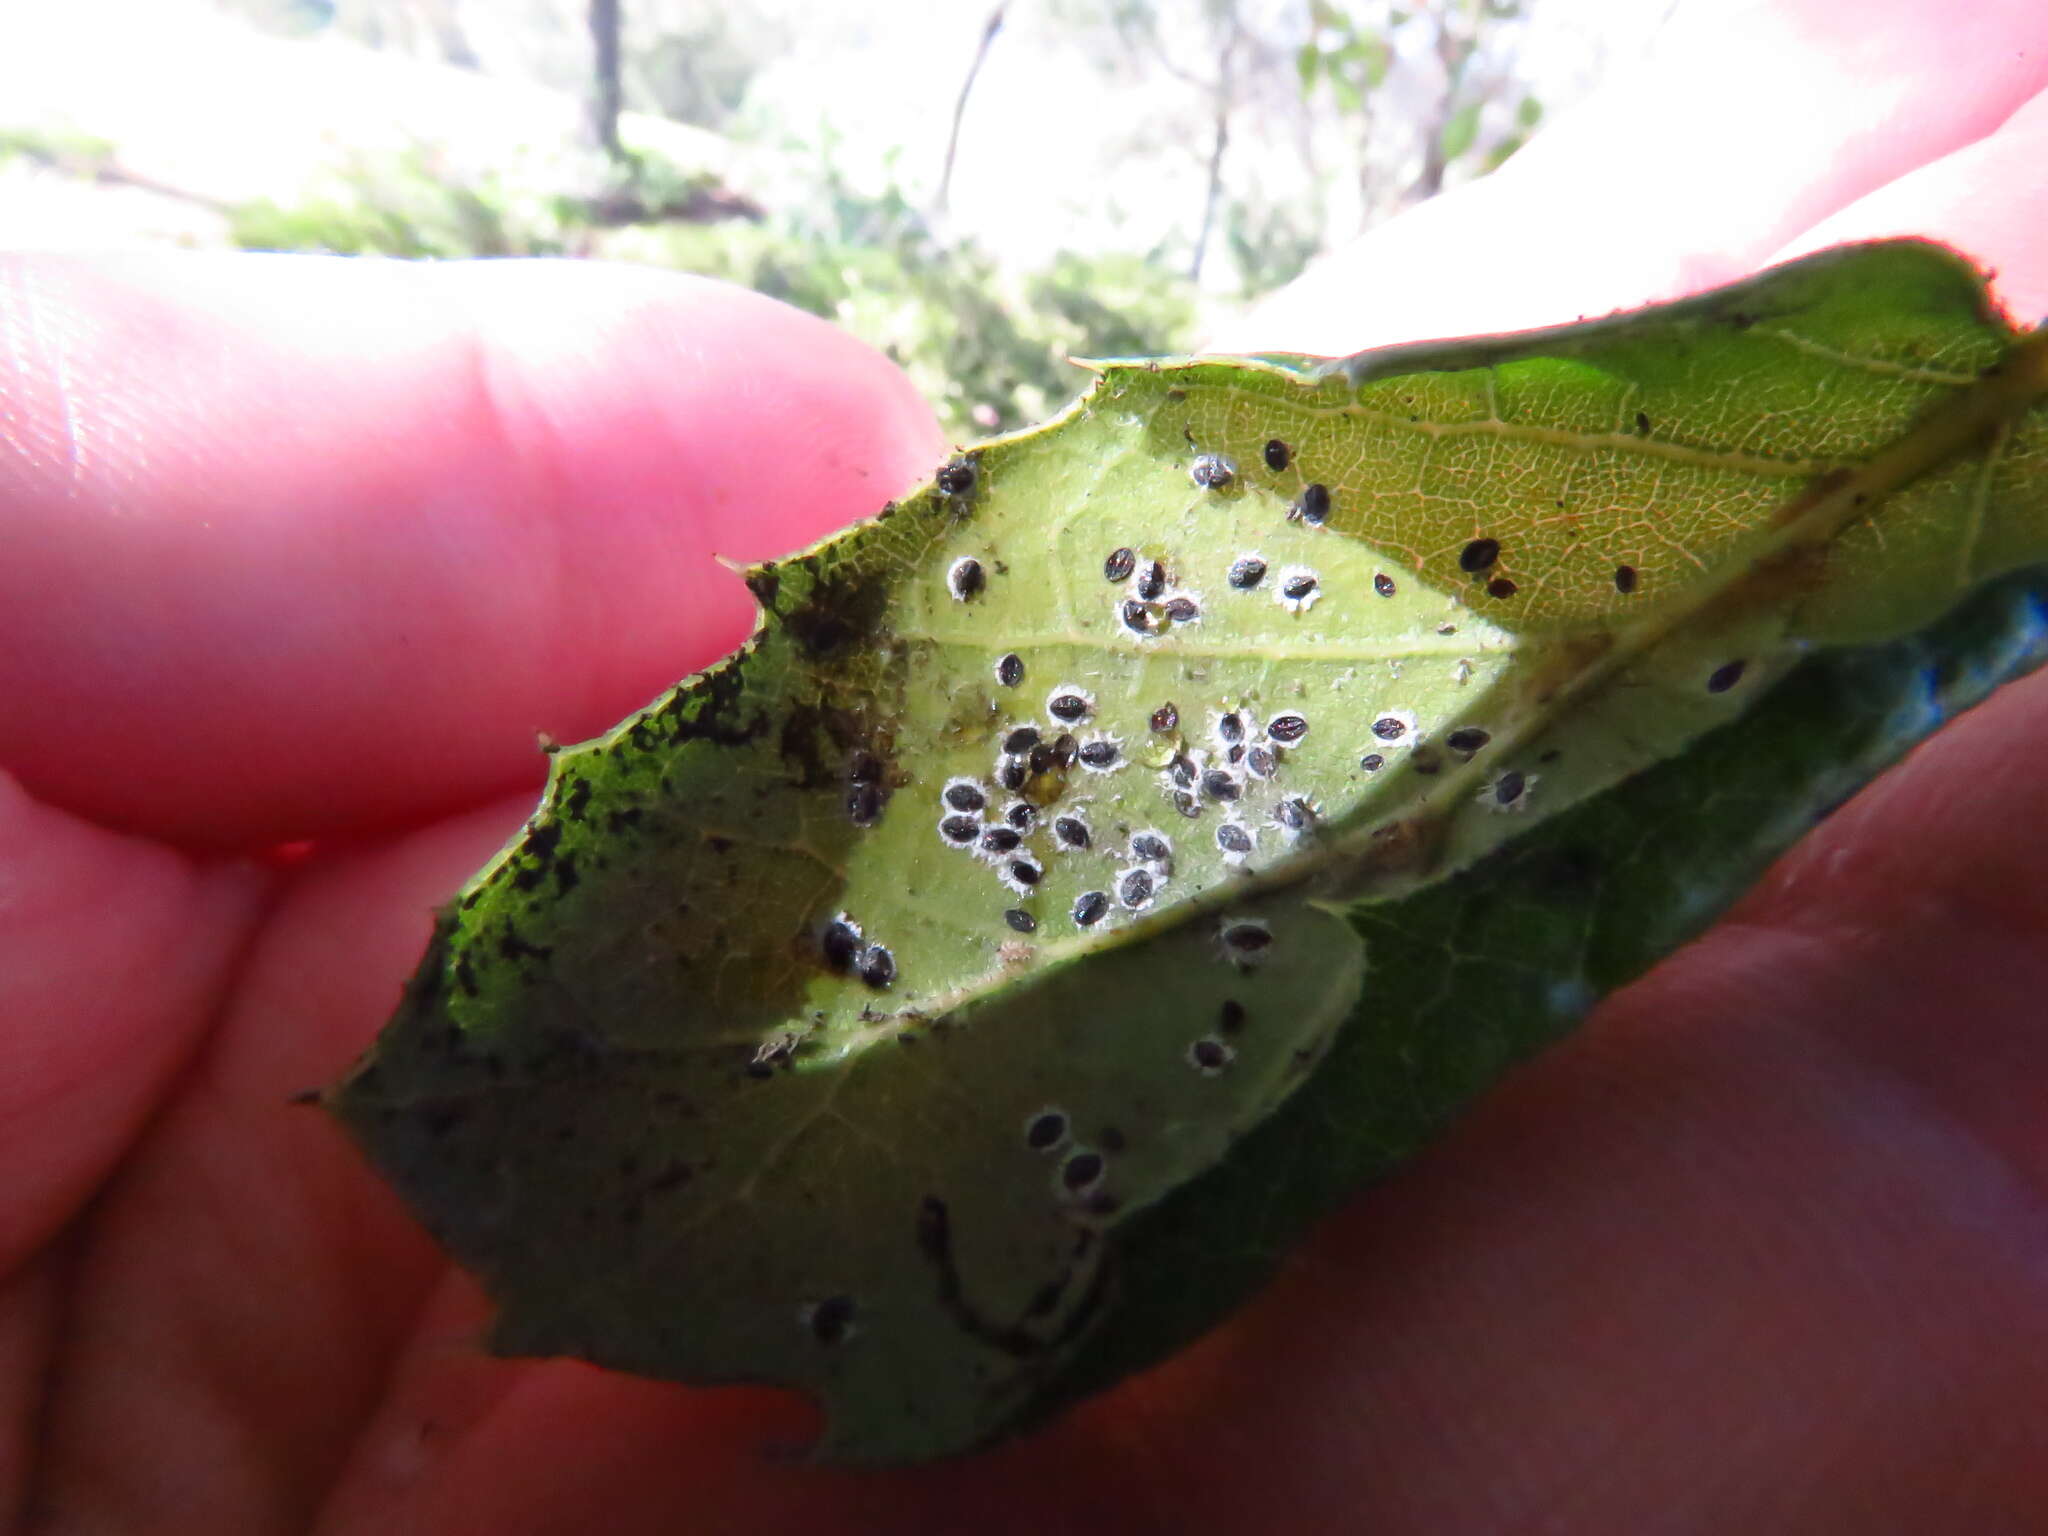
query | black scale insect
(1314,506)
(957,478)
(1183,610)
(1219,785)
(840,943)
(1020,920)
(1151,847)
(1467,739)
(1010,670)
(877,966)
(1212,471)
(1021,740)
(960,830)
(965,795)
(1246,572)
(1232,837)
(1071,831)
(1070,707)
(1295,588)
(1165,717)
(1287,729)
(1046,1130)
(1383,584)
(1479,555)
(1230,726)
(1099,754)
(1134,887)
(999,839)
(1152,581)
(1120,564)
(966,578)
(1089,907)
(1278,455)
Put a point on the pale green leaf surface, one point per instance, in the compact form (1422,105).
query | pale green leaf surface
(635,1088)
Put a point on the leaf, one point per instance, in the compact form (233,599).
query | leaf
(1460,131)
(1387,714)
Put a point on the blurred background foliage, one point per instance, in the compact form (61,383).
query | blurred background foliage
(981,191)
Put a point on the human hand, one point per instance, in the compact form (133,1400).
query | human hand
(303,551)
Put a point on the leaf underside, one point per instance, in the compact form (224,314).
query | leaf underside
(1104,860)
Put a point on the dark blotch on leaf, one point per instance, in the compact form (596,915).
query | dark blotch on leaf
(1247,572)
(1726,676)
(1120,564)
(1479,555)
(1278,455)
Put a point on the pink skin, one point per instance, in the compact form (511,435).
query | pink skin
(1765,1247)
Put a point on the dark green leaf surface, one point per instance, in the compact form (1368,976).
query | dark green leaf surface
(1456,697)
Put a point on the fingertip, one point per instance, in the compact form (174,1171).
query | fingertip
(307,546)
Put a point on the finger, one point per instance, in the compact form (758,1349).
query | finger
(114,955)
(1661,184)
(1988,199)
(300,546)
(233,1306)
